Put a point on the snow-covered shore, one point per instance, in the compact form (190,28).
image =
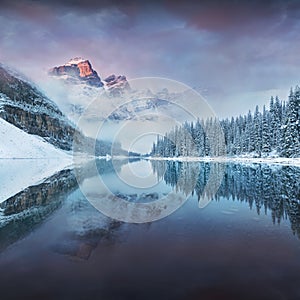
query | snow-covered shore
(26,160)
(226,159)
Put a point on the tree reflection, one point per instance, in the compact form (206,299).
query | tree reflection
(264,187)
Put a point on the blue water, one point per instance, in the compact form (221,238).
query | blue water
(244,244)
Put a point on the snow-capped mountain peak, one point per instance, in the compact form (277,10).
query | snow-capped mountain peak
(77,71)
(75,61)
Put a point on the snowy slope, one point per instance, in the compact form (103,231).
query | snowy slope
(15,143)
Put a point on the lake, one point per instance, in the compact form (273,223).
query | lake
(232,233)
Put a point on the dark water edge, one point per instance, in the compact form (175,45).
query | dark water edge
(243,245)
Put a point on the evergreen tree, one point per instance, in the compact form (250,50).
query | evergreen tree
(257,122)
(266,136)
(291,142)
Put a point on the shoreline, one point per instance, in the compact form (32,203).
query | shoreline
(227,159)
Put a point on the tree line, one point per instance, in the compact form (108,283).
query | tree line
(273,131)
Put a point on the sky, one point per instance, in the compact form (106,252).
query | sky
(237,53)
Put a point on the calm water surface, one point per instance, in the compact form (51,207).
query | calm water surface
(243,245)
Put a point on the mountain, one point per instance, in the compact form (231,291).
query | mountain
(75,84)
(76,71)
(79,71)
(152,104)
(74,93)
(23,105)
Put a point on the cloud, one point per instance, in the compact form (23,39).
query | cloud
(236,47)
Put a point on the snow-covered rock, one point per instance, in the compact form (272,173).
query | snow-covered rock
(117,85)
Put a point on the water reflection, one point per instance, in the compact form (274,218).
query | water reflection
(263,187)
(25,211)
(21,213)
(66,249)
(84,228)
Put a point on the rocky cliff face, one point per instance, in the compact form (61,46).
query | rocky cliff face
(77,71)
(22,105)
(80,71)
